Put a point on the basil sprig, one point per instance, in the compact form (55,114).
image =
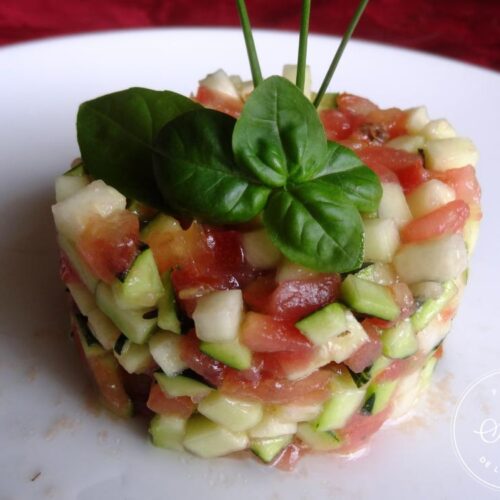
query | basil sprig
(274,159)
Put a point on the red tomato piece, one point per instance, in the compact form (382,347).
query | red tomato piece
(358,108)
(219,101)
(448,219)
(360,428)
(161,403)
(108,377)
(286,363)
(262,333)
(366,355)
(399,368)
(110,244)
(292,300)
(404,299)
(311,389)
(408,167)
(210,369)
(464,181)
(66,272)
(337,125)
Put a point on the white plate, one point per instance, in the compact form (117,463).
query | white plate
(46,423)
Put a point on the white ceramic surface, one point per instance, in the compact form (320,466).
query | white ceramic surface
(54,443)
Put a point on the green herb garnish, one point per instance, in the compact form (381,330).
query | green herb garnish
(304,30)
(164,150)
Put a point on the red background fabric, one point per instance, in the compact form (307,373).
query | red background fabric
(464,29)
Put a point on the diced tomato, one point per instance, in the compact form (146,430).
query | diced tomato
(408,167)
(439,352)
(210,369)
(262,333)
(110,244)
(360,428)
(161,403)
(399,367)
(366,355)
(285,363)
(292,300)
(311,389)
(66,272)
(219,101)
(337,125)
(464,181)
(448,313)
(289,457)
(175,247)
(447,219)
(107,375)
(356,107)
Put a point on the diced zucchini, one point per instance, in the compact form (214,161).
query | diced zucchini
(383,274)
(259,250)
(77,168)
(432,307)
(82,269)
(208,439)
(180,385)
(345,401)
(131,323)
(393,204)
(343,346)
(135,358)
(67,185)
(271,426)
(417,119)
(83,298)
(167,307)
(455,152)
(381,240)
(438,129)
(324,324)
(409,143)
(399,341)
(328,101)
(433,260)
(141,287)
(432,335)
(162,223)
(427,371)
(290,73)
(378,396)
(233,413)
(429,196)
(269,448)
(218,316)
(166,351)
(362,378)
(426,290)
(89,343)
(72,215)
(167,431)
(471,232)
(103,328)
(233,354)
(292,412)
(220,82)
(370,298)
(318,440)
(289,271)
(406,394)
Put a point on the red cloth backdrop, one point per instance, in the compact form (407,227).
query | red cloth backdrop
(464,29)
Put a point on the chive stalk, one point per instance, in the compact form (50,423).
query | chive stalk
(336,58)
(251,51)
(304,30)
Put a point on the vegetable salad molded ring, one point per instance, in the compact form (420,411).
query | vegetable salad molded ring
(252,297)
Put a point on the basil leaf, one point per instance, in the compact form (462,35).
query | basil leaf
(315,225)
(115,134)
(279,136)
(196,172)
(359,183)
